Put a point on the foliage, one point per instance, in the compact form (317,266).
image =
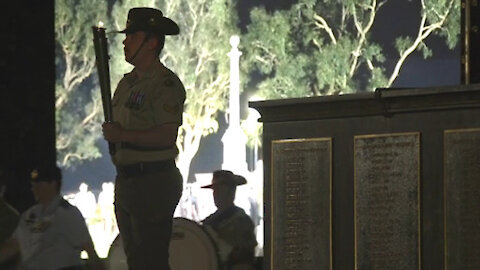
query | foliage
(78,105)
(324,47)
(198,56)
(317,47)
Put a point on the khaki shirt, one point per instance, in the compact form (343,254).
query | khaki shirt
(155,99)
(236,228)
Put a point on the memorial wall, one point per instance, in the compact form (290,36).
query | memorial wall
(302,205)
(462,198)
(384,180)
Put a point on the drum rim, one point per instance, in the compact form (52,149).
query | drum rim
(200,226)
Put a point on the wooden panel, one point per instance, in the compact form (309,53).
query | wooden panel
(387,176)
(301,204)
(462,198)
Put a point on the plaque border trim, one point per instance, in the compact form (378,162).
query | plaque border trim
(445,132)
(419,210)
(298,140)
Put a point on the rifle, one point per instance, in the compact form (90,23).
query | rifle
(101,53)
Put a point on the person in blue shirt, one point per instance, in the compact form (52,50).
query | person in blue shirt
(52,233)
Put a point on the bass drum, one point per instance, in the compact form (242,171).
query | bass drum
(191,247)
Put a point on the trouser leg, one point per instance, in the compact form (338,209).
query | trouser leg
(153,239)
(145,209)
(125,231)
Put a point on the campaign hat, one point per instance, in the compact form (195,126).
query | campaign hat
(227,178)
(149,20)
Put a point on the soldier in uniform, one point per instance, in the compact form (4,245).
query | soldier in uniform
(233,228)
(52,233)
(147,108)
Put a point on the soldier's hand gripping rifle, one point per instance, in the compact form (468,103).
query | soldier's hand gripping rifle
(101,53)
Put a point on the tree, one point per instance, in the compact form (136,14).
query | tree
(198,56)
(323,47)
(77,102)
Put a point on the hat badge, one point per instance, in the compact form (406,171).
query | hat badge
(154,22)
(34,174)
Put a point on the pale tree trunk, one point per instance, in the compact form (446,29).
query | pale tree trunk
(188,148)
(88,123)
(75,74)
(184,160)
(363,29)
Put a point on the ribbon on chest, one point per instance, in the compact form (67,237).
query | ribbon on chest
(135,100)
(38,225)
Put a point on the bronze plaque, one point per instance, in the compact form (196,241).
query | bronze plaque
(301,204)
(387,211)
(462,198)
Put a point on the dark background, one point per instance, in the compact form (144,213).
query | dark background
(27,82)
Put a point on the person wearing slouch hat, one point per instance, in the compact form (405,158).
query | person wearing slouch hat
(233,230)
(147,109)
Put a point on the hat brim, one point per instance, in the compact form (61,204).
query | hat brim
(212,186)
(43,179)
(167,27)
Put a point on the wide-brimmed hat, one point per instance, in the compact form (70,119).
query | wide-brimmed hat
(46,173)
(227,178)
(149,20)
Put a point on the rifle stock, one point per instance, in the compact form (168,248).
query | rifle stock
(101,53)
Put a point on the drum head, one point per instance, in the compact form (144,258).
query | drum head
(190,248)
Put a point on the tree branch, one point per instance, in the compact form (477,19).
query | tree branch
(321,23)
(362,31)
(70,156)
(423,33)
(74,75)
(95,111)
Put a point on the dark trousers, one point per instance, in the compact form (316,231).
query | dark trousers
(144,206)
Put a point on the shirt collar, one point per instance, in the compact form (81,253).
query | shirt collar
(52,206)
(153,69)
